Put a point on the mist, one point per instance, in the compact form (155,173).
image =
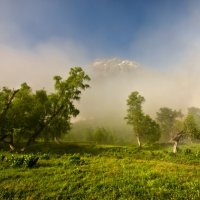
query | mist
(114,79)
(38,66)
(161,62)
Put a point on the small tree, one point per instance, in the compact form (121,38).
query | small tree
(151,130)
(145,128)
(167,119)
(191,128)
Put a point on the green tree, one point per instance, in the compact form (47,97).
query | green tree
(27,116)
(195,112)
(167,119)
(6,100)
(145,128)
(191,128)
(61,104)
(151,130)
(102,135)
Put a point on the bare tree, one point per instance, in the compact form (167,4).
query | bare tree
(176,140)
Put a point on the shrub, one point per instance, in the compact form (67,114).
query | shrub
(28,161)
(2,157)
(16,161)
(198,154)
(45,156)
(75,159)
(187,151)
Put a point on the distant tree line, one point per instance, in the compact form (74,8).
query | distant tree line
(167,124)
(27,115)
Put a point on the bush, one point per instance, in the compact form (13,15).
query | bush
(74,159)
(16,161)
(2,157)
(198,154)
(45,156)
(28,161)
(187,151)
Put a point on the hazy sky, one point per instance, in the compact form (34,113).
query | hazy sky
(43,38)
(153,32)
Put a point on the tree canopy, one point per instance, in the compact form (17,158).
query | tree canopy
(167,119)
(27,115)
(145,128)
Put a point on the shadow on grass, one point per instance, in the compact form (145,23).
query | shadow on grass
(62,148)
(83,148)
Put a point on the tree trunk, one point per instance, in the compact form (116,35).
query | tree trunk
(42,127)
(11,139)
(56,140)
(33,137)
(4,137)
(138,140)
(3,114)
(175,147)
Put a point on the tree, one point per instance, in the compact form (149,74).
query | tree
(176,140)
(191,128)
(28,116)
(167,119)
(195,112)
(61,103)
(101,135)
(145,128)
(151,130)
(6,99)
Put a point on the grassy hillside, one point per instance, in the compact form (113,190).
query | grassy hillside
(81,171)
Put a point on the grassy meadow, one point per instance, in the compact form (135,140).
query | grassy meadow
(87,171)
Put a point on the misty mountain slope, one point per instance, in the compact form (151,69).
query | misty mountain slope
(114,79)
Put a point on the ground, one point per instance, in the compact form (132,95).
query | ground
(86,171)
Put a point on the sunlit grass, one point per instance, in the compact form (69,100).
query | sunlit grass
(98,172)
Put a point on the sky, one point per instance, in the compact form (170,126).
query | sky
(43,38)
(146,31)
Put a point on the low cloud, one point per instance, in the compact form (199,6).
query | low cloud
(112,82)
(38,65)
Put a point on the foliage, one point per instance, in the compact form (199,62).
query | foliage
(26,115)
(106,172)
(75,159)
(167,119)
(145,128)
(100,135)
(191,128)
(27,161)
(195,112)
(150,130)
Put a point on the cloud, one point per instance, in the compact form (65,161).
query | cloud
(37,66)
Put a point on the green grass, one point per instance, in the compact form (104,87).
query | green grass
(72,171)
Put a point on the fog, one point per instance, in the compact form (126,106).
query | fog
(114,79)
(38,65)
(162,64)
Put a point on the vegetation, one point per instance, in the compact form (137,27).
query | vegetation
(191,127)
(145,128)
(168,120)
(72,171)
(99,169)
(26,116)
